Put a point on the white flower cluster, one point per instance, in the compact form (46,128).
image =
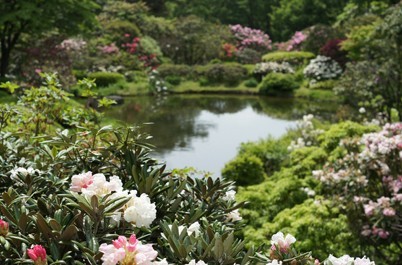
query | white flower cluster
(347,260)
(194,228)
(273,67)
(322,68)
(73,44)
(156,82)
(234,215)
(138,210)
(193,262)
(308,131)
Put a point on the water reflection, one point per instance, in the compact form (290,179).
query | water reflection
(205,131)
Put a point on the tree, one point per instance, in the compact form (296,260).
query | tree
(295,15)
(36,17)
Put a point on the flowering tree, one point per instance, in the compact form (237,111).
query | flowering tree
(251,38)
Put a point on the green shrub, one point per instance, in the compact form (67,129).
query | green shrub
(324,85)
(295,57)
(79,74)
(318,225)
(118,28)
(245,170)
(331,138)
(266,200)
(173,80)
(306,159)
(150,46)
(203,81)
(103,79)
(272,152)
(230,74)
(182,70)
(274,83)
(252,82)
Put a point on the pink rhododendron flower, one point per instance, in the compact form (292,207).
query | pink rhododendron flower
(81,181)
(131,251)
(37,253)
(3,227)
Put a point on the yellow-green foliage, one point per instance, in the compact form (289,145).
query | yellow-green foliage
(272,196)
(295,57)
(318,226)
(307,159)
(331,138)
(245,170)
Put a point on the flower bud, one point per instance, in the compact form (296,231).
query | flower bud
(37,253)
(3,228)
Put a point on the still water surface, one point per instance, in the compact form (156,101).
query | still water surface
(205,131)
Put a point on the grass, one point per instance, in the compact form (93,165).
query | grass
(316,94)
(195,87)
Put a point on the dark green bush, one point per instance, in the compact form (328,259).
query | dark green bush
(173,80)
(245,170)
(181,70)
(294,58)
(230,74)
(252,82)
(274,83)
(79,74)
(103,79)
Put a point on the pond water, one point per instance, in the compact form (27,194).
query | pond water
(205,131)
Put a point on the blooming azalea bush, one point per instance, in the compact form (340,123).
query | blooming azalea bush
(262,69)
(368,181)
(322,68)
(251,38)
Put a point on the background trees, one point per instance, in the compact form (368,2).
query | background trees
(35,17)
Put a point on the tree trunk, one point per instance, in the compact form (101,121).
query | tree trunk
(5,59)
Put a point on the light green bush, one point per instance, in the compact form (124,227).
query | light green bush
(245,170)
(104,79)
(294,57)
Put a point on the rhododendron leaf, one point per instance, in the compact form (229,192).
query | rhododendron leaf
(54,225)
(43,226)
(69,233)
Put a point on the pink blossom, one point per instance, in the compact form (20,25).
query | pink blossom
(129,251)
(388,212)
(383,234)
(81,181)
(37,253)
(4,226)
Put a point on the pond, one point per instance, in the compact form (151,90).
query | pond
(205,132)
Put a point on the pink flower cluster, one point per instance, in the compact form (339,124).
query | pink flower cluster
(37,253)
(370,175)
(109,49)
(127,251)
(251,38)
(296,41)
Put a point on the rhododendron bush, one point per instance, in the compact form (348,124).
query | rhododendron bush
(94,195)
(367,180)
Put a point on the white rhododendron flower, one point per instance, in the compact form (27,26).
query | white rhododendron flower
(283,242)
(140,211)
(193,262)
(363,261)
(194,228)
(344,260)
(233,216)
(161,262)
(274,262)
(229,195)
(101,187)
(22,171)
